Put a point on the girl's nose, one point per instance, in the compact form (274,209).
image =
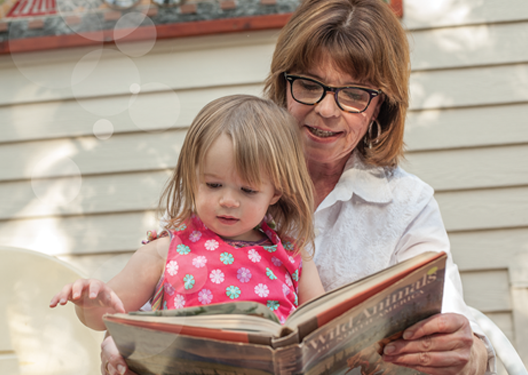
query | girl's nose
(229,200)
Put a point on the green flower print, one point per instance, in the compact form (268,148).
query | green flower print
(295,275)
(270,249)
(288,246)
(273,305)
(296,301)
(180,228)
(226,258)
(233,291)
(183,249)
(270,274)
(188,281)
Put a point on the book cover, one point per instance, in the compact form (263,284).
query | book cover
(341,332)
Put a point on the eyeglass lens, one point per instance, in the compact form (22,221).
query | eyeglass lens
(309,92)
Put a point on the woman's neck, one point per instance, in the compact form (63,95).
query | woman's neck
(325,177)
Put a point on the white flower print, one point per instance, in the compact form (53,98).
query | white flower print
(243,275)
(199,261)
(261,290)
(285,289)
(293,308)
(254,256)
(179,301)
(211,245)
(205,296)
(195,236)
(292,260)
(276,261)
(217,276)
(282,320)
(172,267)
(288,280)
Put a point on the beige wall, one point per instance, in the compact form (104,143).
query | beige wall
(67,190)
(467,136)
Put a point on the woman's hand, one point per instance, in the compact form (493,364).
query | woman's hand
(443,344)
(88,294)
(112,363)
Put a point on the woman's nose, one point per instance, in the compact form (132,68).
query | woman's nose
(328,106)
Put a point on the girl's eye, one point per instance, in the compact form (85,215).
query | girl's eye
(248,190)
(212,185)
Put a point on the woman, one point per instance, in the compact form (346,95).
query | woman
(341,68)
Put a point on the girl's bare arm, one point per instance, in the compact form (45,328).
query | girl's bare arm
(310,285)
(127,291)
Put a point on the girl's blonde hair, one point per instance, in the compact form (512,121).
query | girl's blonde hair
(266,143)
(365,40)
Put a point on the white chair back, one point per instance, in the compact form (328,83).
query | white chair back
(35,339)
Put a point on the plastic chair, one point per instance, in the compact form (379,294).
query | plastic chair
(34,338)
(503,347)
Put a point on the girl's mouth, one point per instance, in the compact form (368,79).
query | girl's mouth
(227,220)
(321,133)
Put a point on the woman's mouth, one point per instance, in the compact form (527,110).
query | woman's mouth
(321,133)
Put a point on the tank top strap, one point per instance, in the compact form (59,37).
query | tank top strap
(157,299)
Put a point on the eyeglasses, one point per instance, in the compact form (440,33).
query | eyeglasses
(310,92)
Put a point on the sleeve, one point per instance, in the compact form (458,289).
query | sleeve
(426,232)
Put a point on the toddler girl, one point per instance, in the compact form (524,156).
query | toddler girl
(241,162)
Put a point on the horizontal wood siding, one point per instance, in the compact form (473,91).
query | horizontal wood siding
(467,136)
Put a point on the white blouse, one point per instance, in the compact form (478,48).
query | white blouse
(376,217)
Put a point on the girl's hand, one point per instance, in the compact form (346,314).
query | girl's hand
(88,294)
(441,344)
(112,363)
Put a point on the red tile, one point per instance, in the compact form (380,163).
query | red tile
(188,8)
(228,4)
(36,24)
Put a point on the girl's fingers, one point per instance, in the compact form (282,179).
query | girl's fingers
(88,293)
(117,304)
(96,288)
(77,289)
(65,294)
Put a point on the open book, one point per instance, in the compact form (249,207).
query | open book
(342,331)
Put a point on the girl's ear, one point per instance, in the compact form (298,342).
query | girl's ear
(275,197)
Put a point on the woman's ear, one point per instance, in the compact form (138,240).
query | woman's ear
(275,197)
(378,107)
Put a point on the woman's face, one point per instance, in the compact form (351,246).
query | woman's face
(329,133)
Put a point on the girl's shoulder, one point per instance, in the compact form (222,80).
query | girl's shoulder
(157,245)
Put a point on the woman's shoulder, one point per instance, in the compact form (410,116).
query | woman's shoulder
(385,184)
(402,182)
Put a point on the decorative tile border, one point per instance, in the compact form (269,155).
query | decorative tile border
(88,22)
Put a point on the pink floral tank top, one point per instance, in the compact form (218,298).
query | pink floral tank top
(201,269)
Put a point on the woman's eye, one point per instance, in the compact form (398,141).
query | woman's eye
(212,185)
(248,190)
(309,86)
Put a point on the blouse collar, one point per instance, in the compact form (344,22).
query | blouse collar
(368,182)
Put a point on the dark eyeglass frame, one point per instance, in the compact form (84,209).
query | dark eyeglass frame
(292,78)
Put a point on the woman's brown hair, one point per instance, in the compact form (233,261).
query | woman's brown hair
(266,144)
(364,39)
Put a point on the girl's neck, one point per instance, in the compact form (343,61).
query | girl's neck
(255,235)
(242,243)
(325,177)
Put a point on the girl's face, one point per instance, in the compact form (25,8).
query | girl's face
(225,203)
(330,134)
